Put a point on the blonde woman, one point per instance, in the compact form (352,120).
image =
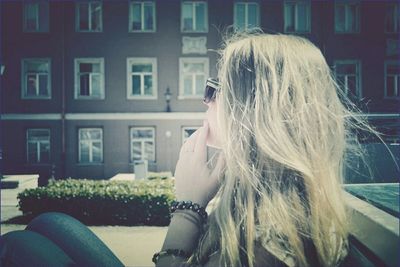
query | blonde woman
(277,116)
(281,131)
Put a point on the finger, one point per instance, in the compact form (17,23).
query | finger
(189,144)
(201,142)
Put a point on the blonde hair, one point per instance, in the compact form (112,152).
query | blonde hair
(286,127)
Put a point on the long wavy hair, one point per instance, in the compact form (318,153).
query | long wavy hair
(286,127)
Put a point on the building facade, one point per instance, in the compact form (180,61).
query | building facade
(85,84)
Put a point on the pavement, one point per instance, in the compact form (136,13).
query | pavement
(133,245)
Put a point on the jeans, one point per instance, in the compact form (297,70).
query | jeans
(55,239)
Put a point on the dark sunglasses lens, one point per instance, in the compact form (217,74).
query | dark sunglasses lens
(209,94)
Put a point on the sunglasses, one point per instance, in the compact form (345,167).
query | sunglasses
(210,92)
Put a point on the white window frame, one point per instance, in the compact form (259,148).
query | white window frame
(36,3)
(183,60)
(347,3)
(396,89)
(78,16)
(37,145)
(77,61)
(358,75)
(90,146)
(308,19)
(142,140)
(194,30)
(24,74)
(246,14)
(188,128)
(141,60)
(142,15)
(395,19)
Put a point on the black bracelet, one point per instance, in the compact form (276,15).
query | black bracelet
(175,252)
(188,205)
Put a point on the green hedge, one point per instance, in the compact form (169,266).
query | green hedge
(141,202)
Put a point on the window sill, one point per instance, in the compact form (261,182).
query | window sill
(182,97)
(90,164)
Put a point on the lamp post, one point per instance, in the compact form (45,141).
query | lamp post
(2,68)
(168,95)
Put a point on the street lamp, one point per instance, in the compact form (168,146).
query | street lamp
(168,95)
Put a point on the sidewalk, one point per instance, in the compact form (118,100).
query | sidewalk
(134,246)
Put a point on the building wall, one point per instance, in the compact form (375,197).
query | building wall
(63,44)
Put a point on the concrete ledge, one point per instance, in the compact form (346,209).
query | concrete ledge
(24,181)
(375,229)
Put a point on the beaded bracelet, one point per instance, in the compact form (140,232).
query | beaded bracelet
(175,252)
(188,205)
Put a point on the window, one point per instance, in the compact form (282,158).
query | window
(142,78)
(36,78)
(142,17)
(347,16)
(142,143)
(38,145)
(297,16)
(193,73)
(90,145)
(36,16)
(89,78)
(89,16)
(194,17)
(392,18)
(187,132)
(348,76)
(392,79)
(246,15)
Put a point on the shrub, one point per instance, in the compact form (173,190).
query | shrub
(140,202)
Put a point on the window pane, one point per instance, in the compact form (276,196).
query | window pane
(84,85)
(390,86)
(31,13)
(136,150)
(187,85)
(96,16)
(149,150)
(44,152)
(240,16)
(346,68)
(351,23)
(142,68)
(31,85)
(32,152)
(97,151)
(339,18)
(38,135)
(302,15)
(95,134)
(85,67)
(96,85)
(289,17)
(193,67)
(84,134)
(148,16)
(43,83)
(188,133)
(84,152)
(351,85)
(252,16)
(83,16)
(44,16)
(200,17)
(142,133)
(37,66)
(135,84)
(393,69)
(148,84)
(200,83)
(187,16)
(136,16)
